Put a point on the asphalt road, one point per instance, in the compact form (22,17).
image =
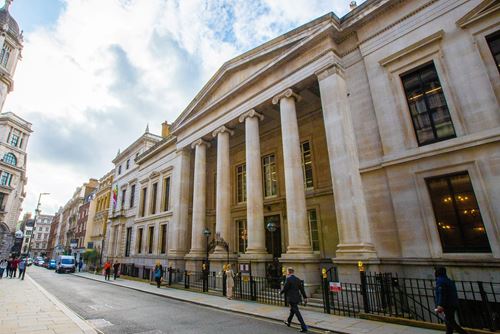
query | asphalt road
(113,309)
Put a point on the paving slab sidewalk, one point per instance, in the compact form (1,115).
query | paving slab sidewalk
(314,319)
(28,308)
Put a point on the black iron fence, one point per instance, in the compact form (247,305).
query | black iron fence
(260,289)
(411,298)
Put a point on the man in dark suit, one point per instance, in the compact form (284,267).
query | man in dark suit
(294,291)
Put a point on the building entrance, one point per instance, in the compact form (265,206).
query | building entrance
(273,238)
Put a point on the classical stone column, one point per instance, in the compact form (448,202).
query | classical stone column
(223,187)
(199,199)
(350,207)
(255,207)
(178,227)
(298,229)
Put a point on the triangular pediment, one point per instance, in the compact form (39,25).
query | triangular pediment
(484,9)
(244,69)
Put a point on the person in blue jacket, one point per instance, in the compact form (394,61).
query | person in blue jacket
(447,300)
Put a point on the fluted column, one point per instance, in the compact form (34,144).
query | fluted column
(298,229)
(199,197)
(255,207)
(223,192)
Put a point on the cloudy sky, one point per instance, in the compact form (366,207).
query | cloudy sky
(95,72)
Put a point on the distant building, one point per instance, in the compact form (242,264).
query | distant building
(41,232)
(54,247)
(14,134)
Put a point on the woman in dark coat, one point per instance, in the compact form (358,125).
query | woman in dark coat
(158,274)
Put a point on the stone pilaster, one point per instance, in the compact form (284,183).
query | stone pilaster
(352,220)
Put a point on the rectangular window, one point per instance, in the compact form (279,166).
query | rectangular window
(127,241)
(5,54)
(242,235)
(313,229)
(124,194)
(154,198)
(428,108)
(270,177)
(151,235)
(307,169)
(166,194)
(163,248)
(139,240)
(143,201)
(128,164)
(241,183)
(2,197)
(5,179)
(494,44)
(119,169)
(132,196)
(14,140)
(458,218)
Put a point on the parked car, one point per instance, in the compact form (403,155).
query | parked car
(52,264)
(65,263)
(29,262)
(39,262)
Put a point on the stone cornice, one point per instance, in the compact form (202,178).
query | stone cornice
(200,142)
(222,129)
(286,93)
(250,114)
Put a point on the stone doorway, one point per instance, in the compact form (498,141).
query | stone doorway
(273,239)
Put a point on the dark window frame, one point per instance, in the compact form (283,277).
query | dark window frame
(151,236)
(494,37)
(429,111)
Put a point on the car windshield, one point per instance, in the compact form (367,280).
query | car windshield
(68,261)
(52,261)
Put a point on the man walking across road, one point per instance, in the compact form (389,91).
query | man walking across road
(294,291)
(447,300)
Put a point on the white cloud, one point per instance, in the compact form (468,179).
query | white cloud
(91,82)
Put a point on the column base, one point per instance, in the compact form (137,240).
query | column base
(258,262)
(306,267)
(219,259)
(194,260)
(177,260)
(361,251)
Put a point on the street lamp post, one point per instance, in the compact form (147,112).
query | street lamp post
(37,212)
(207,234)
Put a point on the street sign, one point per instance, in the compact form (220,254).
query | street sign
(335,287)
(74,243)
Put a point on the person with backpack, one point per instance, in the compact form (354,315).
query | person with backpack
(447,300)
(158,274)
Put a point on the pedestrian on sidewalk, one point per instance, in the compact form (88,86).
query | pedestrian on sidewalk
(294,291)
(80,265)
(116,270)
(9,267)
(22,267)
(447,300)
(13,267)
(229,282)
(3,266)
(107,271)
(158,274)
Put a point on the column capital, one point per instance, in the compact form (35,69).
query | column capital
(331,69)
(249,114)
(286,93)
(200,142)
(222,129)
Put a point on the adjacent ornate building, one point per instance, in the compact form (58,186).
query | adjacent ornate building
(373,137)
(40,236)
(14,134)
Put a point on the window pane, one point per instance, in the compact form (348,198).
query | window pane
(307,164)
(242,235)
(241,189)
(459,220)
(427,105)
(269,174)
(313,227)
(494,43)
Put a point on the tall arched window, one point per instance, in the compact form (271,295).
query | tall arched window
(10,159)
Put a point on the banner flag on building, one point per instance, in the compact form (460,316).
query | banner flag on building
(115,196)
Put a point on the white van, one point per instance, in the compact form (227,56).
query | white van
(65,263)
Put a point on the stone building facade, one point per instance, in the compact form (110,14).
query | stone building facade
(14,134)
(54,235)
(373,137)
(40,238)
(98,215)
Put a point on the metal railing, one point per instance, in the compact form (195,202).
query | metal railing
(412,298)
